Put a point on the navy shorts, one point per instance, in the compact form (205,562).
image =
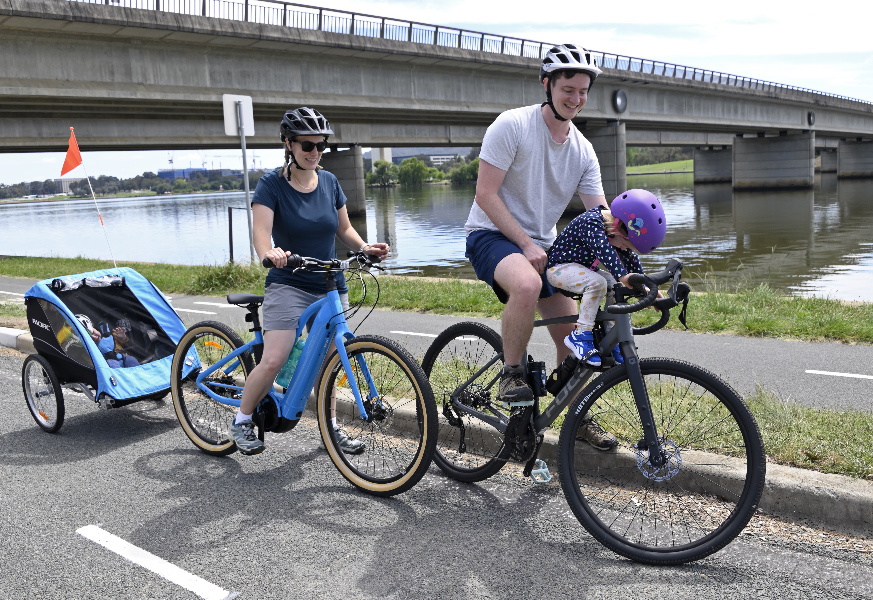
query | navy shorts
(486,249)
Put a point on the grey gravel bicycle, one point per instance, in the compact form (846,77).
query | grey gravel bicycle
(689,467)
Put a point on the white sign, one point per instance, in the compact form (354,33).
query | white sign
(231,126)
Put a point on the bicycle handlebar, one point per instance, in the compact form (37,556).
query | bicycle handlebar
(295,261)
(677,294)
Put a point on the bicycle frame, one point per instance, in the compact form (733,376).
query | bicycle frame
(329,325)
(620,334)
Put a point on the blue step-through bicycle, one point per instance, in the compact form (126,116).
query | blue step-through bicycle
(372,386)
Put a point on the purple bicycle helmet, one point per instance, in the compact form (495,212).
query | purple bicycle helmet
(643,215)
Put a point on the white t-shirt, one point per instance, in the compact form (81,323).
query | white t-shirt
(541,175)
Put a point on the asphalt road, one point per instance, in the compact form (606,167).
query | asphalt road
(285,524)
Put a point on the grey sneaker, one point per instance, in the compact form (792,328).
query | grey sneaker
(347,444)
(591,432)
(244,437)
(513,389)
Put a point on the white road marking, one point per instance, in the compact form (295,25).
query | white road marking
(191,310)
(430,335)
(12,293)
(167,570)
(854,375)
(225,305)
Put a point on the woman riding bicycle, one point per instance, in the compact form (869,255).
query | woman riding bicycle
(299,209)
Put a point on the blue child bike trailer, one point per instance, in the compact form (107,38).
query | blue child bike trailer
(109,334)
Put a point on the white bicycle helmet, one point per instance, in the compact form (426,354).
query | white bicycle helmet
(567,57)
(85,320)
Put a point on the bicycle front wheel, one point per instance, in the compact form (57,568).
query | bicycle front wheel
(468,448)
(391,450)
(695,503)
(204,419)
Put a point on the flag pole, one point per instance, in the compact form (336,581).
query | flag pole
(73,160)
(106,235)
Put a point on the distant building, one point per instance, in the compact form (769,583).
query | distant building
(64,184)
(437,156)
(172,174)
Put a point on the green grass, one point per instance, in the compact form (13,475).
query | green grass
(830,441)
(669,167)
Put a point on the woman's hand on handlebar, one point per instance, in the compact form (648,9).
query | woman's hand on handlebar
(380,250)
(277,256)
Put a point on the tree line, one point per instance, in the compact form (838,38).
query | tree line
(104,185)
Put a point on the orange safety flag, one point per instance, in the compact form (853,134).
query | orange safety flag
(74,159)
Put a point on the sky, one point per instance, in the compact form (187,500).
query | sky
(824,46)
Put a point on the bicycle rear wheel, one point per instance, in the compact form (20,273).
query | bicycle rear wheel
(699,500)
(467,447)
(203,419)
(399,436)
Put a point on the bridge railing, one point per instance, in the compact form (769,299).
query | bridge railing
(302,16)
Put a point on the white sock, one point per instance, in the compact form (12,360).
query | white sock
(240,417)
(333,423)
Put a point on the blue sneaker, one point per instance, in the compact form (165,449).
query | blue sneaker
(616,354)
(582,343)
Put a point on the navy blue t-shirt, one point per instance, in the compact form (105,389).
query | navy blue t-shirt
(304,224)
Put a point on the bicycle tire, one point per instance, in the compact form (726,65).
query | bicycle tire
(42,391)
(453,358)
(700,500)
(400,435)
(203,419)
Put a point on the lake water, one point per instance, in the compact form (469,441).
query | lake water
(811,242)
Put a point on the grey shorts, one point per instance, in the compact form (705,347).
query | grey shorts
(283,305)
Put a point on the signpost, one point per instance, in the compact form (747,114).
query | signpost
(239,120)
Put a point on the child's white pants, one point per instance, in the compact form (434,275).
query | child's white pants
(593,285)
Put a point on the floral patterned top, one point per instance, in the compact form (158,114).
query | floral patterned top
(583,241)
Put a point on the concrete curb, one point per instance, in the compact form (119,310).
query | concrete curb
(834,502)
(16,338)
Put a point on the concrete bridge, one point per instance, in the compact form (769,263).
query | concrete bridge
(130,78)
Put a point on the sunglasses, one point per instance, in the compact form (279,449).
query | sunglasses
(308,146)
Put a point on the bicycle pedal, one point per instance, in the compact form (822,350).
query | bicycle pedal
(521,403)
(540,473)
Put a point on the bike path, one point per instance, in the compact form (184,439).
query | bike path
(793,370)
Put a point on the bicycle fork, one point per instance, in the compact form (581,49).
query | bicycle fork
(623,330)
(365,372)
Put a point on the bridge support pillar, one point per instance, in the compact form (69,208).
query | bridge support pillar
(380,154)
(786,161)
(829,160)
(855,159)
(610,146)
(713,165)
(348,166)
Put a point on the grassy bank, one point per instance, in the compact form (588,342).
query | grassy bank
(756,311)
(824,440)
(676,166)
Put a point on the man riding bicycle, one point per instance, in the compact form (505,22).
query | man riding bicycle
(533,160)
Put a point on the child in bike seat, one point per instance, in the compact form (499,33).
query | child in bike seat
(597,249)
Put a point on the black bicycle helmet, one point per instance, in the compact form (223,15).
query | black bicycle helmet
(304,121)
(567,57)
